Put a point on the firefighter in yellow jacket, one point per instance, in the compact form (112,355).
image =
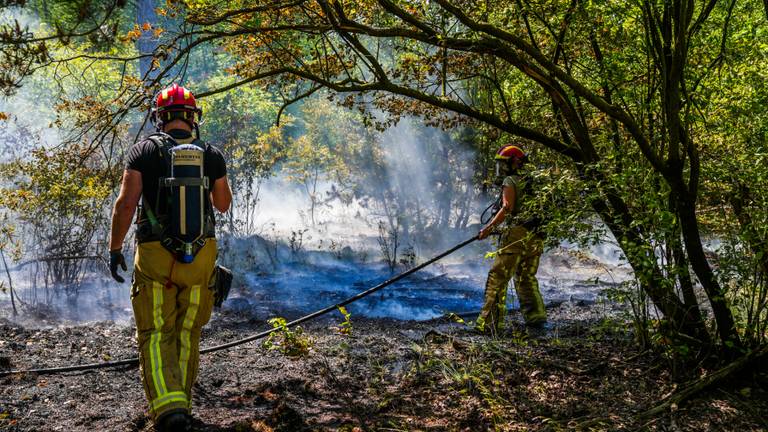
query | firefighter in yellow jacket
(520,249)
(179,180)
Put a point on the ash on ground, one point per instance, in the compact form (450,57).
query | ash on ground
(582,373)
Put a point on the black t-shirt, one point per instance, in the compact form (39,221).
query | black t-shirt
(145,157)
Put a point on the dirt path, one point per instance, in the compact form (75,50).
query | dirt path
(385,376)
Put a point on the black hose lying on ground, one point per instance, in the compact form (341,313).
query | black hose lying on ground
(135,361)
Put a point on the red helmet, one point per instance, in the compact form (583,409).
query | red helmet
(509,152)
(175,102)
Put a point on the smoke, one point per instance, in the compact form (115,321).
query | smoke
(414,176)
(409,172)
(287,266)
(283,208)
(423,191)
(25,18)
(29,124)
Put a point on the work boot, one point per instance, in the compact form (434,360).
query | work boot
(177,421)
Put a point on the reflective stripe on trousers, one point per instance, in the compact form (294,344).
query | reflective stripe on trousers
(171,302)
(186,330)
(155,356)
(519,256)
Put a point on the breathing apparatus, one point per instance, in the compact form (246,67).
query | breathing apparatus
(187,189)
(502,170)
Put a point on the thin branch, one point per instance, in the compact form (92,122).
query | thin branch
(596,100)
(564,30)
(291,101)
(240,83)
(269,7)
(66,36)
(703,15)
(407,17)
(373,63)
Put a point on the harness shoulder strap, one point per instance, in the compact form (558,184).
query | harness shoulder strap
(159,139)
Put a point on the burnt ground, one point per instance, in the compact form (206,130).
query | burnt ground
(582,374)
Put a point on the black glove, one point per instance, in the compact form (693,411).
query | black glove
(116,258)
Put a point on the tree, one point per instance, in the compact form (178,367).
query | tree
(332,146)
(62,198)
(619,93)
(241,123)
(357,41)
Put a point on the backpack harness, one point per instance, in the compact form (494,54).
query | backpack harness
(532,224)
(185,221)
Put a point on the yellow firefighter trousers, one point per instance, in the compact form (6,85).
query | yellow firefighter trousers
(171,303)
(519,254)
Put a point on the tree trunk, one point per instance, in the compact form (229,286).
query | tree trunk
(726,327)
(758,245)
(646,269)
(671,57)
(10,283)
(617,216)
(683,276)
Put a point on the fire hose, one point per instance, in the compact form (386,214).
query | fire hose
(313,315)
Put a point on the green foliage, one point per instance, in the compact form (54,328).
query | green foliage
(474,373)
(241,123)
(630,293)
(747,286)
(8,239)
(59,183)
(345,328)
(60,197)
(327,150)
(290,342)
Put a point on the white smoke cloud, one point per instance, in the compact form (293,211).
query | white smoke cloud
(408,169)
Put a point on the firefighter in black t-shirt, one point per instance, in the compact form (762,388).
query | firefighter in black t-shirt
(171,172)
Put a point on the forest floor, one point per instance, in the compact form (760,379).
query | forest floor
(584,373)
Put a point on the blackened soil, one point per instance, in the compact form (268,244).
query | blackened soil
(384,376)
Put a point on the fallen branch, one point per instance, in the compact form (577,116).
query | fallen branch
(704,383)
